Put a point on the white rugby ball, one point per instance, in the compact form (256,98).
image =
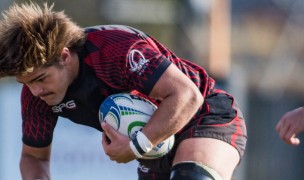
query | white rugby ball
(128,114)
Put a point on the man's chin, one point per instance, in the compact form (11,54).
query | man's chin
(50,102)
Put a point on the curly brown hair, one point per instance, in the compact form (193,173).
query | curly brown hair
(33,36)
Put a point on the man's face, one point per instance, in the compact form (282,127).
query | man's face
(48,83)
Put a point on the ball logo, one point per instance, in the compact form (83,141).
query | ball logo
(111,110)
(114,112)
(160,145)
(134,127)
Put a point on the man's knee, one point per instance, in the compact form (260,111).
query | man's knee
(193,171)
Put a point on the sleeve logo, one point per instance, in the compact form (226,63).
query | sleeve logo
(139,66)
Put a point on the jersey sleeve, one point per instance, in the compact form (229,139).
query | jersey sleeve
(38,120)
(125,60)
(145,65)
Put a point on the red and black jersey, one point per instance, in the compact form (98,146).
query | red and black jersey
(114,59)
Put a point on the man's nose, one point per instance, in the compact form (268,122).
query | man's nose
(36,90)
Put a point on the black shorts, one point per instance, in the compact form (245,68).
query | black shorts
(218,118)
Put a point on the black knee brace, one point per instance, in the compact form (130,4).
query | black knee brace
(190,171)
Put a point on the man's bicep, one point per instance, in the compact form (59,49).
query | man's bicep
(42,153)
(172,81)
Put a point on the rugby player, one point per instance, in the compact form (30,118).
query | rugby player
(68,71)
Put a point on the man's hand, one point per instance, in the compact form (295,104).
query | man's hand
(116,145)
(290,125)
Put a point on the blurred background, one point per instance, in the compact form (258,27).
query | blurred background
(254,50)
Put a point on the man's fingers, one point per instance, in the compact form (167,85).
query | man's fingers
(283,131)
(279,126)
(105,138)
(294,140)
(109,130)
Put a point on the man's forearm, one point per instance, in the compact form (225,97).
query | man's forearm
(32,168)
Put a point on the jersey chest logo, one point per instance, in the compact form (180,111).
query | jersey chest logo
(140,65)
(68,105)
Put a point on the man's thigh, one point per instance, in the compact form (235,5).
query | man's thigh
(214,153)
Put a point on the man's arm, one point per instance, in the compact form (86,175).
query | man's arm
(291,124)
(180,101)
(35,163)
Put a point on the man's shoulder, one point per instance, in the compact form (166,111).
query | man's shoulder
(113,27)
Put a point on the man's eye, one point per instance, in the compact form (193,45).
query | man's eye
(41,79)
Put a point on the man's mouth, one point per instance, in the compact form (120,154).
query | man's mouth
(44,96)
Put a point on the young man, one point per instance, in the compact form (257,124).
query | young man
(68,71)
(291,124)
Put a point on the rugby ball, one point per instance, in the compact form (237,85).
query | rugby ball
(128,114)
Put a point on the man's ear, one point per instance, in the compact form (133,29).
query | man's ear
(65,55)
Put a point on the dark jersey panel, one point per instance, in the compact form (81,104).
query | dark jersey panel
(114,59)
